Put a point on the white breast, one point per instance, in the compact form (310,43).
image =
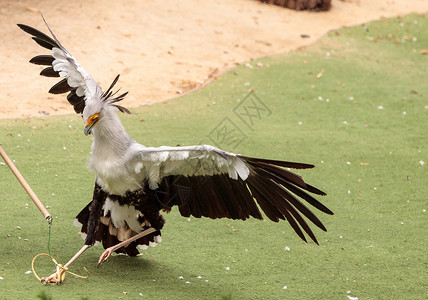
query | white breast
(115,175)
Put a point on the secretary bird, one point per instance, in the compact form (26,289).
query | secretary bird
(133,183)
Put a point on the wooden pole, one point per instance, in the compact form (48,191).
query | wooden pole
(25,185)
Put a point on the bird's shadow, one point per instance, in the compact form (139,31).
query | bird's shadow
(144,271)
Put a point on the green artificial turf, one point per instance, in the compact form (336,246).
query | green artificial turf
(354,104)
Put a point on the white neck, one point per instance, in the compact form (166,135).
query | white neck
(109,135)
(110,155)
(110,141)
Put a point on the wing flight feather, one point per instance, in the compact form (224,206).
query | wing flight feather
(221,184)
(61,63)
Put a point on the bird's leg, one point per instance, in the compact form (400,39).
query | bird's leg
(98,200)
(106,254)
(150,210)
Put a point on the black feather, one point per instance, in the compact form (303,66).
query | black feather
(107,93)
(61,87)
(290,185)
(308,198)
(43,43)
(259,192)
(297,217)
(188,205)
(314,190)
(270,191)
(245,198)
(45,60)
(49,72)
(74,100)
(78,108)
(294,178)
(108,97)
(118,98)
(301,207)
(122,109)
(285,164)
(287,176)
(39,35)
(287,206)
(230,201)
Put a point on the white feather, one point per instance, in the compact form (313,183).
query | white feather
(120,214)
(241,168)
(143,247)
(83,235)
(77,223)
(74,82)
(138,167)
(76,76)
(80,91)
(59,65)
(232,173)
(188,161)
(170,166)
(154,176)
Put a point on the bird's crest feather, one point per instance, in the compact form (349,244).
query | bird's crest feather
(109,97)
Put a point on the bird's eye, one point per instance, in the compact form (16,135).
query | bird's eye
(94,117)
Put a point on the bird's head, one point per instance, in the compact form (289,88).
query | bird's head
(92,114)
(98,108)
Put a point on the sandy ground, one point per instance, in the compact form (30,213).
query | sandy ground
(162,49)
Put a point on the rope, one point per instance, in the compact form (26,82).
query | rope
(60,271)
(49,239)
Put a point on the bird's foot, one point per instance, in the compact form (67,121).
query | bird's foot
(105,256)
(51,280)
(56,278)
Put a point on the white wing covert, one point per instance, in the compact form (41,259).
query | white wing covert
(201,160)
(68,68)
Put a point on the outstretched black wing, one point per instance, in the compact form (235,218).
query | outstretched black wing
(204,181)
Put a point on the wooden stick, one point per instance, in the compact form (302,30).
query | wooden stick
(84,248)
(25,185)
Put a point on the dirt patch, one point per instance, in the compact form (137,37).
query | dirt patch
(162,49)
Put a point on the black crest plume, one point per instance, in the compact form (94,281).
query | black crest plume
(109,97)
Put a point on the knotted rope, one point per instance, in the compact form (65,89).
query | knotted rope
(60,271)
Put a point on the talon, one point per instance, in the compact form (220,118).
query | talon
(104,257)
(51,280)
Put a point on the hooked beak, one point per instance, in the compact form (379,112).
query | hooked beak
(87,129)
(91,123)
